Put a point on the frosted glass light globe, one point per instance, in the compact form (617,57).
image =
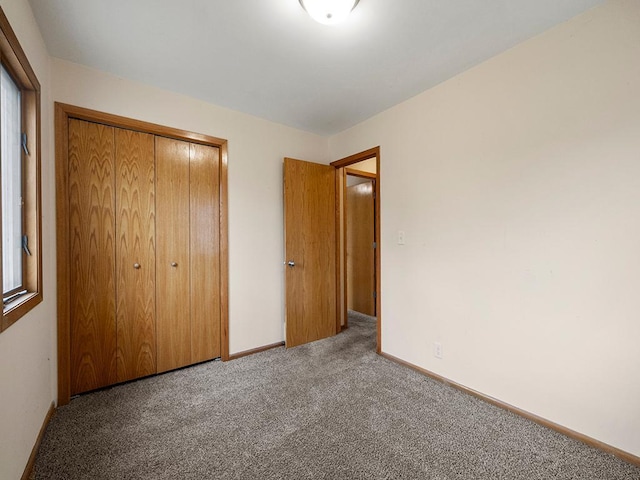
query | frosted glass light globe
(329,12)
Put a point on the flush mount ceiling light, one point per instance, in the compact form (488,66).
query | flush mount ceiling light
(329,12)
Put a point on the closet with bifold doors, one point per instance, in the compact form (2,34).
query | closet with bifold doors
(144,269)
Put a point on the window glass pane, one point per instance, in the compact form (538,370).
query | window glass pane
(10,127)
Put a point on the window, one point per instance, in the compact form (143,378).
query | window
(20,179)
(10,130)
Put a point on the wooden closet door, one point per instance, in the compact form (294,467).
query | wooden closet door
(135,254)
(205,253)
(92,256)
(173,312)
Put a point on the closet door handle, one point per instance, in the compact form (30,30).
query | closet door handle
(174,264)
(136,266)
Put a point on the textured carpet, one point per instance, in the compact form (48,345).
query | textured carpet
(329,410)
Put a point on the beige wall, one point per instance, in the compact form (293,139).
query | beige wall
(369,165)
(517,184)
(27,347)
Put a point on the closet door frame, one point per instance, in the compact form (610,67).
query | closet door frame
(64,112)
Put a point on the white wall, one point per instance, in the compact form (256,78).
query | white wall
(27,347)
(518,186)
(256,151)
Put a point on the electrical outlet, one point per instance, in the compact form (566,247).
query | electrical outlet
(437,350)
(400,237)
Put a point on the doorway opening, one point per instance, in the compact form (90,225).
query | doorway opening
(359,240)
(358,232)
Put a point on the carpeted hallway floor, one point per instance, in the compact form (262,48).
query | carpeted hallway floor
(329,410)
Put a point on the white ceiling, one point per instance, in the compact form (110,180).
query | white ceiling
(269,59)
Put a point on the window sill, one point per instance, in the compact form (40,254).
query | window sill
(19,307)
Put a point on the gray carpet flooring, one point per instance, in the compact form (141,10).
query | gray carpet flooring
(332,409)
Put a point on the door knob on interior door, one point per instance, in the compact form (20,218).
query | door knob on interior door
(136,266)
(291,263)
(174,264)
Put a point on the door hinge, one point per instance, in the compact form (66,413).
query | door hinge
(375,245)
(23,138)
(375,295)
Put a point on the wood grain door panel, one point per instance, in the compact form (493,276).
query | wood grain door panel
(205,252)
(92,256)
(173,312)
(360,252)
(135,254)
(310,242)
(141,248)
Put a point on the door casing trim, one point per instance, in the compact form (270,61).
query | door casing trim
(342,163)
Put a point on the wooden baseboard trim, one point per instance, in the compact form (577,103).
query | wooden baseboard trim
(592,442)
(28,469)
(246,353)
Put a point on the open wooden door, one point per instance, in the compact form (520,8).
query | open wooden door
(361,236)
(310,251)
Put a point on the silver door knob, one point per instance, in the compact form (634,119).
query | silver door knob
(136,266)
(174,264)
(291,263)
